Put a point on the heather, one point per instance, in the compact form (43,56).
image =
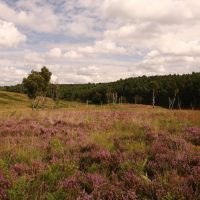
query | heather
(100,152)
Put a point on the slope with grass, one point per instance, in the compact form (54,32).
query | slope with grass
(12,100)
(8,99)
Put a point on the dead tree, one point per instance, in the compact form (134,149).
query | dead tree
(154,87)
(115,97)
(179,103)
(153,99)
(172,100)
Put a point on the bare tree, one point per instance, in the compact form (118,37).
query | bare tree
(179,103)
(115,96)
(172,100)
(154,87)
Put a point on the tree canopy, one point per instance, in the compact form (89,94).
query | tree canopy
(36,84)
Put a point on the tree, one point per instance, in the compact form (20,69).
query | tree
(154,87)
(46,74)
(36,84)
(172,101)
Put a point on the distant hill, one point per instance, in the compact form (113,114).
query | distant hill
(182,90)
(8,99)
(18,100)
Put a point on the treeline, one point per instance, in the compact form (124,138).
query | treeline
(173,91)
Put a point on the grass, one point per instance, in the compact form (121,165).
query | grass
(97,152)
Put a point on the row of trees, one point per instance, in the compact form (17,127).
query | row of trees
(172,91)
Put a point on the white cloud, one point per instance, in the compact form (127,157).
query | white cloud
(88,71)
(31,57)
(167,11)
(9,74)
(54,79)
(55,52)
(72,55)
(10,35)
(29,14)
(103,47)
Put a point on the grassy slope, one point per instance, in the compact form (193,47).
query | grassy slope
(11,100)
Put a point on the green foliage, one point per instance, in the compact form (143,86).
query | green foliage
(154,85)
(33,83)
(18,190)
(52,175)
(58,195)
(37,82)
(56,145)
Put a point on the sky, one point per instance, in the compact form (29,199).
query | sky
(83,41)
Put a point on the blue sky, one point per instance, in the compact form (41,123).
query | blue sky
(98,40)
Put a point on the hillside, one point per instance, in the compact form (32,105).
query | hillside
(183,89)
(12,99)
(19,100)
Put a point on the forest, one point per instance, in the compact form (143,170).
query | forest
(171,91)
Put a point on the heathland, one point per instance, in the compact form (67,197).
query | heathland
(80,151)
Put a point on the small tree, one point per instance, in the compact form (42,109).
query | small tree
(36,84)
(154,87)
(173,100)
(115,97)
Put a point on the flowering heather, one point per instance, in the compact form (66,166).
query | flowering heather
(100,153)
(4,186)
(193,135)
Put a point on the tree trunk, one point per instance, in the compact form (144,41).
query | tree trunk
(179,103)
(153,99)
(33,104)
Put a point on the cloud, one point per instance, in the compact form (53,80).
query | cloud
(55,52)
(9,74)
(31,57)
(54,79)
(88,71)
(101,41)
(103,47)
(165,11)
(72,55)
(28,14)
(10,35)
